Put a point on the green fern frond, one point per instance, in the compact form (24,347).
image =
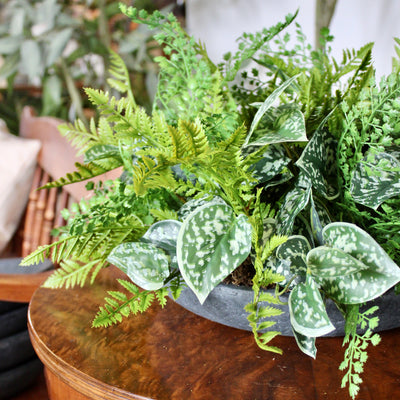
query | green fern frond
(72,273)
(161,214)
(147,174)
(196,139)
(119,305)
(83,173)
(79,136)
(120,76)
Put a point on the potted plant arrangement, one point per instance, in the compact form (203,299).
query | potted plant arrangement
(281,175)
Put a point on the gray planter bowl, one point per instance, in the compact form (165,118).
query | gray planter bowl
(225,305)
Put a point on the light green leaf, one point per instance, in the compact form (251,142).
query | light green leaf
(56,45)
(308,315)
(10,44)
(52,95)
(378,276)
(268,103)
(376,179)
(10,66)
(101,151)
(145,264)
(31,59)
(211,244)
(318,163)
(288,126)
(17,21)
(327,262)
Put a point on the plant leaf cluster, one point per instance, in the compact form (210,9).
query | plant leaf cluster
(296,170)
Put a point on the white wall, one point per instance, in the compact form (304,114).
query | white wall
(355,22)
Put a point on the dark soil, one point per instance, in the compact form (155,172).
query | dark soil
(242,275)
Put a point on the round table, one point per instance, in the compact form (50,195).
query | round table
(170,353)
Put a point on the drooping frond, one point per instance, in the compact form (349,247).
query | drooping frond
(119,304)
(72,273)
(120,76)
(83,173)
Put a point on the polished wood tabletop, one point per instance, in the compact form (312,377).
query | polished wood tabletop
(173,354)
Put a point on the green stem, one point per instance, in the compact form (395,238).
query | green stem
(73,92)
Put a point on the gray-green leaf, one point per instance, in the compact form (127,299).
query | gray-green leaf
(289,126)
(268,104)
(318,163)
(308,315)
(211,244)
(378,276)
(306,344)
(145,264)
(376,179)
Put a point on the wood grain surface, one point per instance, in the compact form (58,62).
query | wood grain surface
(173,354)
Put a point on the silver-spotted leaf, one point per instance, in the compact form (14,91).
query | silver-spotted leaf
(145,264)
(272,163)
(295,201)
(378,276)
(193,204)
(375,179)
(289,126)
(164,234)
(268,103)
(318,163)
(211,244)
(328,262)
(295,250)
(306,344)
(319,217)
(308,315)
(101,151)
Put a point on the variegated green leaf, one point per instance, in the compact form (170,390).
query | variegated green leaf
(268,103)
(306,344)
(318,163)
(211,244)
(289,126)
(289,260)
(308,315)
(378,276)
(145,264)
(164,234)
(101,151)
(295,250)
(319,217)
(375,179)
(194,204)
(272,163)
(295,201)
(327,262)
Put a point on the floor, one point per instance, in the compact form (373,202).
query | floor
(35,392)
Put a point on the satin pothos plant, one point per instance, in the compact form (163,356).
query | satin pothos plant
(290,168)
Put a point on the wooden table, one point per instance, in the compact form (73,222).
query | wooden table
(173,354)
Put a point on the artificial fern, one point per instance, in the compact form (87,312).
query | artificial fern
(71,274)
(259,314)
(119,304)
(357,343)
(190,85)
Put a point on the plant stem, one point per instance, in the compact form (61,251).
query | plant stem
(73,92)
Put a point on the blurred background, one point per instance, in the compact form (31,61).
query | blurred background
(51,49)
